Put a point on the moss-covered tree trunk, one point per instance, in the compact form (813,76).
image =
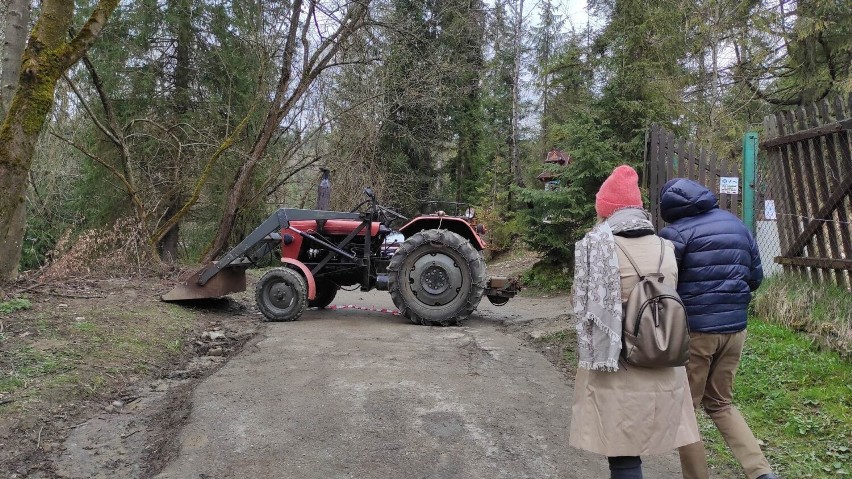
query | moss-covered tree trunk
(47,56)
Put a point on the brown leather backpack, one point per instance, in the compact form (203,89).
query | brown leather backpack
(655,332)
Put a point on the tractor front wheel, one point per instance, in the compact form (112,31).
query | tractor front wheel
(436,278)
(281,295)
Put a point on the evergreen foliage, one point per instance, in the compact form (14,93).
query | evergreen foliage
(457,100)
(556,219)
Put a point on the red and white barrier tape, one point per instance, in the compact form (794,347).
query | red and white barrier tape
(363,308)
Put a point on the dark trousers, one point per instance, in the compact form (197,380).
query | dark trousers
(625,467)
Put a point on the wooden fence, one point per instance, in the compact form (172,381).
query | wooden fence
(667,157)
(808,179)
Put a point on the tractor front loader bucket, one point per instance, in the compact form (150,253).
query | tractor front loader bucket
(231,279)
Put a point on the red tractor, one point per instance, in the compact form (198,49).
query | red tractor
(436,276)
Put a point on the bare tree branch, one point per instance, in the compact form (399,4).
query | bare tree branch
(112,169)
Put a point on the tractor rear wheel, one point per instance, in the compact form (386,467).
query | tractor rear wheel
(281,295)
(436,278)
(326,291)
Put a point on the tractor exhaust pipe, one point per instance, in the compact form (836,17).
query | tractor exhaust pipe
(324,190)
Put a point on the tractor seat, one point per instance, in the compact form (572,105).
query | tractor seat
(334,227)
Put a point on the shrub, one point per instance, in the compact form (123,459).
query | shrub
(549,277)
(504,230)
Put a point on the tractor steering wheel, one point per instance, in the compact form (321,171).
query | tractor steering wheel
(358,207)
(393,214)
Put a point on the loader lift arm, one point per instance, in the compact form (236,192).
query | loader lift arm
(276,222)
(227,274)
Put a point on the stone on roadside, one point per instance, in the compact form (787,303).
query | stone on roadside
(215,352)
(159,386)
(118,403)
(536,334)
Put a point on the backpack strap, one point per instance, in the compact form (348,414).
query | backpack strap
(630,258)
(633,262)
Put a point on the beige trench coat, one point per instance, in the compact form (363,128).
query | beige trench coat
(634,411)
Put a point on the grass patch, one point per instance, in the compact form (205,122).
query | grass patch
(15,304)
(84,326)
(797,400)
(566,341)
(560,348)
(66,359)
(823,311)
(546,277)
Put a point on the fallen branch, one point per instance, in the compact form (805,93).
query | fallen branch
(125,436)
(35,285)
(67,295)
(78,425)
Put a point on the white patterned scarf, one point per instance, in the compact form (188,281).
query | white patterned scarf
(597,289)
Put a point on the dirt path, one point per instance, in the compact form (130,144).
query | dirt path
(365,394)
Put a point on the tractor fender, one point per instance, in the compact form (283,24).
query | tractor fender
(451,223)
(312,284)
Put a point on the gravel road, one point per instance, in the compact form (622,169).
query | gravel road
(351,393)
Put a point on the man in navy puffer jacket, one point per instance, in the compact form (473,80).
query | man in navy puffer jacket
(718,268)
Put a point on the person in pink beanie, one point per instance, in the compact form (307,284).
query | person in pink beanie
(620,190)
(619,410)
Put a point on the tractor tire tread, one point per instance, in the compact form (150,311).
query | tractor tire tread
(443,239)
(295,281)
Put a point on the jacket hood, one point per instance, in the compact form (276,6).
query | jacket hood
(682,198)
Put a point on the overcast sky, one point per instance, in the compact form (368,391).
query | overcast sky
(574,11)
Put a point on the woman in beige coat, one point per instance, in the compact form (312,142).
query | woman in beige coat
(622,411)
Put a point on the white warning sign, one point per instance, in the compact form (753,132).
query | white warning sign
(729,185)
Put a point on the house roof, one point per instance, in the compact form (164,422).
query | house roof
(545,176)
(557,156)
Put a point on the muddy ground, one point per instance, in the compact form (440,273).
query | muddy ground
(342,393)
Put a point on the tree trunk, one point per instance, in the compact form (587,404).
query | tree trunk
(168,245)
(516,95)
(226,224)
(14,41)
(289,91)
(47,56)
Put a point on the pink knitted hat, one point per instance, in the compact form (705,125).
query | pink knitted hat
(620,190)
